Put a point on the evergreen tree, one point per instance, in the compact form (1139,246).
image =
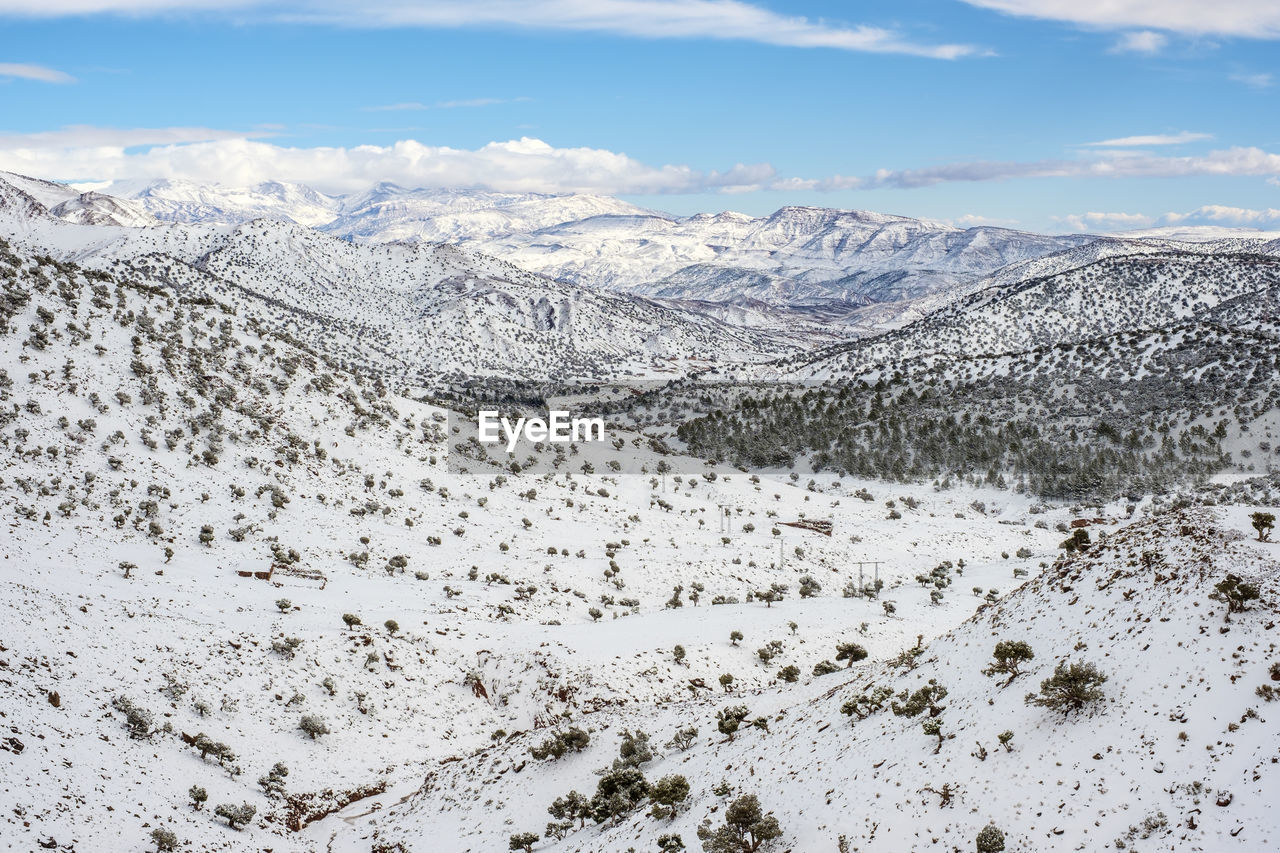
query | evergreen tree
(234,814)
(164,839)
(523,841)
(667,794)
(620,791)
(1236,593)
(850,652)
(746,828)
(1070,688)
(572,806)
(1009,655)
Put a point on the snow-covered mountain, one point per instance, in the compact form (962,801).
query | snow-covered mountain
(36,197)
(416,311)
(796,256)
(181,201)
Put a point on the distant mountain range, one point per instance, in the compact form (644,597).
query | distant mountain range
(712,288)
(847,270)
(421,312)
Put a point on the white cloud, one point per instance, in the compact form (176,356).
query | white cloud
(1210,213)
(1142,41)
(974,220)
(524,165)
(1222,213)
(1230,161)
(1244,18)
(1152,139)
(40,73)
(1254,80)
(713,19)
(237,158)
(1096,221)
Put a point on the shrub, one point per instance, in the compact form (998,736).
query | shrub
(560,744)
(634,749)
(234,814)
(729,719)
(1009,655)
(926,698)
(989,839)
(1070,688)
(164,839)
(1079,541)
(867,703)
(620,791)
(273,782)
(523,841)
(667,794)
(199,796)
(825,667)
(138,721)
(572,806)
(313,725)
(683,738)
(1236,593)
(851,652)
(746,828)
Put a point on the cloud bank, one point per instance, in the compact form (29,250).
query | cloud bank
(656,19)
(237,158)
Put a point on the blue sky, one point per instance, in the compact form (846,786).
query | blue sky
(1043,114)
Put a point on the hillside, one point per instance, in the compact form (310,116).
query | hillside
(160,450)
(1104,297)
(1178,753)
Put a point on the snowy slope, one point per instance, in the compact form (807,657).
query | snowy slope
(1129,292)
(1179,754)
(134,418)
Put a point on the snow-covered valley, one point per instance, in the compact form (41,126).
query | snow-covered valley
(241,539)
